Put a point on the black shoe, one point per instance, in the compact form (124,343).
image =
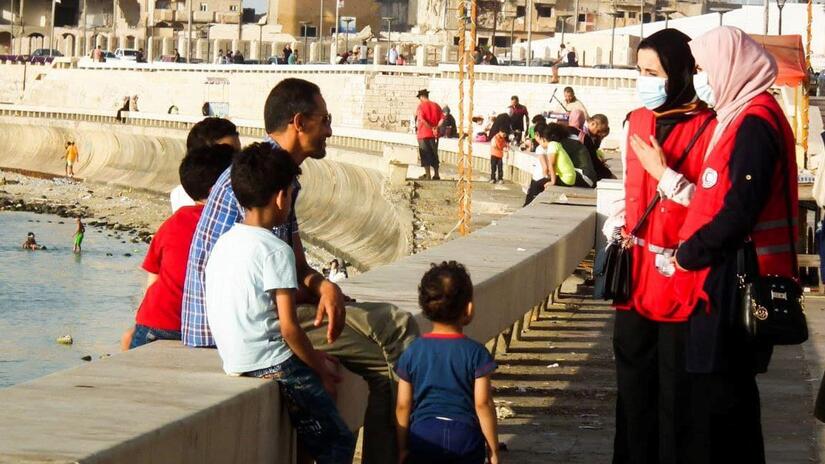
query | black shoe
(436,177)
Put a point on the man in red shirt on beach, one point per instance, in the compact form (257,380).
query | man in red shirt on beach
(427,118)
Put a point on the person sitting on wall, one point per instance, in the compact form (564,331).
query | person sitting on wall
(158,317)
(297,120)
(447,127)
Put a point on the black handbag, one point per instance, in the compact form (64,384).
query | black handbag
(616,268)
(771,307)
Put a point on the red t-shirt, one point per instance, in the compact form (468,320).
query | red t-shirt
(167,258)
(428,116)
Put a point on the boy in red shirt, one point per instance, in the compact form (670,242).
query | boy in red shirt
(158,317)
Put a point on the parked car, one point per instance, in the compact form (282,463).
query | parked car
(126,54)
(45,52)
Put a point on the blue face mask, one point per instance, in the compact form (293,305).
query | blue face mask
(703,89)
(652,91)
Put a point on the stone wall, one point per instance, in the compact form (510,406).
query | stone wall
(371,97)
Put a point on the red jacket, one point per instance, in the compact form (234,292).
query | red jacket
(650,294)
(770,235)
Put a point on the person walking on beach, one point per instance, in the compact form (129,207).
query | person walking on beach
(78,235)
(71,158)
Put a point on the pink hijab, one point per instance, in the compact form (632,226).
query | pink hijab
(738,69)
(576,119)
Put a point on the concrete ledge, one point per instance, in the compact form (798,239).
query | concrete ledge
(166,403)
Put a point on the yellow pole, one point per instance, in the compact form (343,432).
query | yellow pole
(795,121)
(805,97)
(463,226)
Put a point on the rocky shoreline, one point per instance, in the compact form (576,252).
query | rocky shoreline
(129,214)
(120,210)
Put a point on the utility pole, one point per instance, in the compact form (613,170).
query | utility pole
(613,13)
(114,26)
(321,33)
(576,19)
(22,27)
(11,28)
(529,12)
(337,23)
(388,19)
(766,16)
(642,19)
(189,31)
(147,33)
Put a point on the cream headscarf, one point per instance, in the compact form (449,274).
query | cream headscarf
(738,70)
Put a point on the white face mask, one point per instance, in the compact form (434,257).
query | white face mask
(703,89)
(652,91)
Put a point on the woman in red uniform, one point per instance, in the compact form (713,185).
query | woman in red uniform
(649,328)
(747,189)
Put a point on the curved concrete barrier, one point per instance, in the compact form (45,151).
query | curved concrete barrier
(341,206)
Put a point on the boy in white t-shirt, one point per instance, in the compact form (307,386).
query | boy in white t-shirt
(250,304)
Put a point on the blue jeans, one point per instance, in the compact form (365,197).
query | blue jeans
(436,441)
(321,431)
(144,335)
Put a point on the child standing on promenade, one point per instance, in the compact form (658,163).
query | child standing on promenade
(78,235)
(251,282)
(499,143)
(447,377)
(158,317)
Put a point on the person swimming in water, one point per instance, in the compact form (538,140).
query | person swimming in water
(78,235)
(31,243)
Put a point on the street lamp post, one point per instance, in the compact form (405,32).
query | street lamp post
(321,33)
(721,12)
(51,34)
(614,14)
(337,23)
(389,20)
(563,17)
(189,33)
(528,11)
(304,29)
(780,4)
(667,12)
(346,34)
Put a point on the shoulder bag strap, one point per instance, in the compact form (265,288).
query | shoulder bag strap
(675,167)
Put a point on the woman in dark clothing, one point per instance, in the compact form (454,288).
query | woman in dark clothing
(651,408)
(747,184)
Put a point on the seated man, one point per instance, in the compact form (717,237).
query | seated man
(374,336)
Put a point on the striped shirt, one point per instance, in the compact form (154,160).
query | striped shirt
(221,212)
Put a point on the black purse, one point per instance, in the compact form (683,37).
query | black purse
(771,307)
(614,276)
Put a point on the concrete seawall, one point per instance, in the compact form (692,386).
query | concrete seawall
(166,403)
(342,207)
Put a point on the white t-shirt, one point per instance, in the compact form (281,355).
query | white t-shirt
(538,170)
(245,266)
(179,198)
(363,52)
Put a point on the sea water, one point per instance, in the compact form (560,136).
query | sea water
(50,293)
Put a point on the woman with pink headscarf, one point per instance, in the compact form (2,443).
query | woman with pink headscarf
(747,190)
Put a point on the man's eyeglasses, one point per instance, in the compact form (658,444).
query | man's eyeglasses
(326,118)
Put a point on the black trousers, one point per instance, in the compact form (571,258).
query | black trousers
(653,403)
(536,187)
(726,423)
(496,164)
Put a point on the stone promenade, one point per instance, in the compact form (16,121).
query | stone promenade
(558,379)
